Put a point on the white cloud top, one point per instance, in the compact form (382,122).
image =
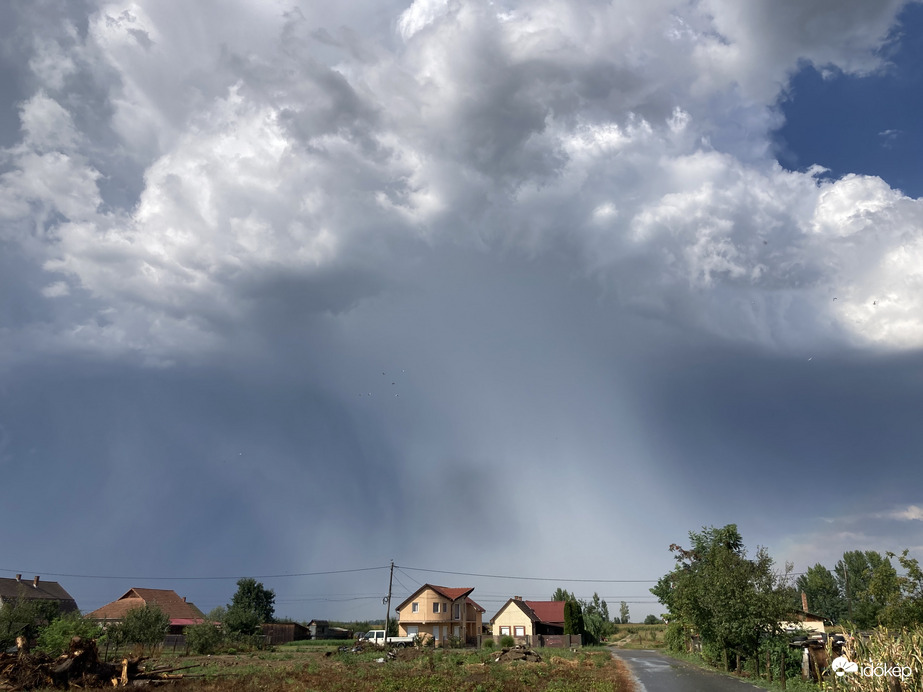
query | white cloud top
(638,134)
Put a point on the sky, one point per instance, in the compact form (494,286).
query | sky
(514,294)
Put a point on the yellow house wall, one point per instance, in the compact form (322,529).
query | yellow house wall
(474,616)
(470,618)
(426,599)
(421,629)
(512,616)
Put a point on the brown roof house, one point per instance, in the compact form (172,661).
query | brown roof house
(440,612)
(178,609)
(12,590)
(520,619)
(802,620)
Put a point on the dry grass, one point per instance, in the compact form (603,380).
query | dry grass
(894,650)
(593,670)
(639,637)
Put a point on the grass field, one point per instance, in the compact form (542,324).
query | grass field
(639,636)
(305,667)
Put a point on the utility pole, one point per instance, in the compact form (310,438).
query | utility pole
(848,595)
(388,611)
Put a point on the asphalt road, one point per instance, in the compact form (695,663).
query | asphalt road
(654,672)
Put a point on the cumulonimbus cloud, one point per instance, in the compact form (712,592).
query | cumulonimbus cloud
(637,136)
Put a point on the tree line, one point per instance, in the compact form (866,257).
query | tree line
(145,627)
(590,618)
(865,589)
(736,604)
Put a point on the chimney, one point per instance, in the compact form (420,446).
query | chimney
(35,582)
(18,577)
(517,598)
(184,599)
(804,601)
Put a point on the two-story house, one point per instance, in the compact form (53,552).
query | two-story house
(13,590)
(440,612)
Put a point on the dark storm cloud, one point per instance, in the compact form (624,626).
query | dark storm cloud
(304,289)
(744,426)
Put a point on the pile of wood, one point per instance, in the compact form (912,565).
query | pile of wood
(79,667)
(518,653)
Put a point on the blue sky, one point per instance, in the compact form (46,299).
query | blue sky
(514,289)
(862,123)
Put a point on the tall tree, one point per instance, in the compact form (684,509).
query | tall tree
(251,605)
(596,622)
(600,606)
(869,583)
(562,595)
(623,612)
(823,594)
(145,626)
(573,617)
(729,600)
(908,610)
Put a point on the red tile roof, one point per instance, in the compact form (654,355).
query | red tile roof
(450,593)
(551,612)
(470,601)
(548,612)
(177,609)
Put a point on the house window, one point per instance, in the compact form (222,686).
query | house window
(436,607)
(456,611)
(520,631)
(504,630)
(414,607)
(443,607)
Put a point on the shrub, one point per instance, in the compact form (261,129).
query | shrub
(487,644)
(506,641)
(25,618)
(675,637)
(54,638)
(454,642)
(145,626)
(242,621)
(204,638)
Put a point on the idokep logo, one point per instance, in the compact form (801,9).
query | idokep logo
(842,665)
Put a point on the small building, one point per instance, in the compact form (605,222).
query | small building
(321,629)
(284,632)
(339,633)
(181,612)
(440,612)
(524,620)
(13,590)
(317,629)
(811,623)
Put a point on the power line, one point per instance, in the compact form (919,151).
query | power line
(402,584)
(139,578)
(339,571)
(502,576)
(407,575)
